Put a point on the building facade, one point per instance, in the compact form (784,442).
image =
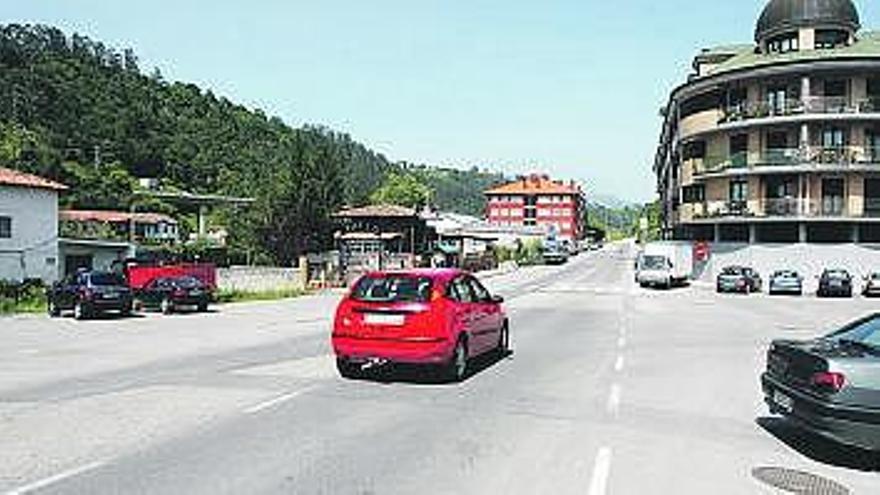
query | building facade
(778,140)
(28,227)
(154,228)
(538,201)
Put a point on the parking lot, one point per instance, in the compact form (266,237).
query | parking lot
(610,389)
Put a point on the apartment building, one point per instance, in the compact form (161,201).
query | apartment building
(538,201)
(778,140)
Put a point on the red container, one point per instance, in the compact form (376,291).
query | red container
(139,276)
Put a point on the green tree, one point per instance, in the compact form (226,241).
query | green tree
(402,189)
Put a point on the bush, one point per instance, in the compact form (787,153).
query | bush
(22,297)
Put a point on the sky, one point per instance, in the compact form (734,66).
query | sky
(568,87)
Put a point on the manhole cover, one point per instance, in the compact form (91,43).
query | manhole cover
(798,482)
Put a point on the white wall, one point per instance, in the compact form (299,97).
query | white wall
(32,252)
(259,279)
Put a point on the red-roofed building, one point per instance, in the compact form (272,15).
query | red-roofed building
(536,200)
(154,227)
(28,226)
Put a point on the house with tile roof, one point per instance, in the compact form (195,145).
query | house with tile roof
(537,200)
(28,226)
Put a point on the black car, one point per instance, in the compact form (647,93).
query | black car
(738,279)
(90,293)
(168,294)
(829,385)
(835,283)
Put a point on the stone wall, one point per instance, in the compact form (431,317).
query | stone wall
(259,279)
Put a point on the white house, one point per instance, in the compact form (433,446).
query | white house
(28,226)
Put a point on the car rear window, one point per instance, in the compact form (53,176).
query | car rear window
(186,282)
(836,274)
(866,331)
(392,288)
(655,262)
(106,279)
(732,270)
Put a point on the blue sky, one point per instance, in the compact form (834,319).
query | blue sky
(570,87)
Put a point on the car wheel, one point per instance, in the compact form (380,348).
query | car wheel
(347,369)
(166,306)
(456,368)
(203,307)
(53,309)
(127,310)
(80,311)
(503,341)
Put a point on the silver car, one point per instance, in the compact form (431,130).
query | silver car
(786,282)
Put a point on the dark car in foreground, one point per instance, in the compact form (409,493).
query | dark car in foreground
(170,294)
(441,318)
(830,385)
(738,279)
(872,285)
(835,283)
(786,282)
(89,294)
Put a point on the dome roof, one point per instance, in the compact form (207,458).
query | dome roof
(782,15)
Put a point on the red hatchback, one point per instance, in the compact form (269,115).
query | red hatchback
(439,317)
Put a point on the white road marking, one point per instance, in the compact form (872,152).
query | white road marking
(614,400)
(277,400)
(621,342)
(601,469)
(51,480)
(618,365)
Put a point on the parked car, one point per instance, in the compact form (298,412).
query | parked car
(786,282)
(835,283)
(872,285)
(829,385)
(88,294)
(441,317)
(169,294)
(739,279)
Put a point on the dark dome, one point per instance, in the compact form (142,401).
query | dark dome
(783,15)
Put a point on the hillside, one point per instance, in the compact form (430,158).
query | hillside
(77,111)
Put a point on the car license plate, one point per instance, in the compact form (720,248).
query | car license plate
(110,295)
(383,319)
(783,401)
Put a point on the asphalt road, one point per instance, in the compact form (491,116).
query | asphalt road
(610,389)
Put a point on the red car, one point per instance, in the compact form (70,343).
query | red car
(439,317)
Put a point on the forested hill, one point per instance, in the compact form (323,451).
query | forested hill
(78,111)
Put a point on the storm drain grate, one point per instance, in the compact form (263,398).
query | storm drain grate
(798,482)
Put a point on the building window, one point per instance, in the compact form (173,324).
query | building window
(831,38)
(505,212)
(739,191)
(695,193)
(783,44)
(5,228)
(694,149)
(531,213)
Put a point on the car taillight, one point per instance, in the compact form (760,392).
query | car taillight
(179,292)
(740,283)
(85,293)
(828,380)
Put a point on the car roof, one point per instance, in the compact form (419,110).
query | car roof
(441,274)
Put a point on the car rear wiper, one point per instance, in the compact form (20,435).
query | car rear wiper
(860,345)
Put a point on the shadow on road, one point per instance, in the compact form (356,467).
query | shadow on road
(818,448)
(430,375)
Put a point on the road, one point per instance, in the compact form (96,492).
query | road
(610,389)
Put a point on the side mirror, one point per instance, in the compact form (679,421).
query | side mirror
(496,299)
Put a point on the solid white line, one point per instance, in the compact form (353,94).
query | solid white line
(277,400)
(618,365)
(614,399)
(51,480)
(601,469)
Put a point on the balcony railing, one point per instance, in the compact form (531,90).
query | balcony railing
(828,206)
(811,155)
(799,106)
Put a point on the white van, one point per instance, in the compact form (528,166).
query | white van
(665,264)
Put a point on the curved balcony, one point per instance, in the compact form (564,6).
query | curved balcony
(809,108)
(807,159)
(769,209)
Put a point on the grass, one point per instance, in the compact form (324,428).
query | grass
(234,296)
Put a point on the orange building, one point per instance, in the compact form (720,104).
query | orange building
(536,200)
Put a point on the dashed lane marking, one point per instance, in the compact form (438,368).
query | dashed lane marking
(601,470)
(618,365)
(277,400)
(614,400)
